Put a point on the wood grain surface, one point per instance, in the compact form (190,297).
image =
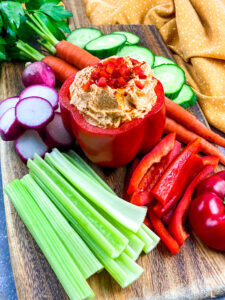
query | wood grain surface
(195,273)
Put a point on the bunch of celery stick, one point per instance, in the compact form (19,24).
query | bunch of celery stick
(79,223)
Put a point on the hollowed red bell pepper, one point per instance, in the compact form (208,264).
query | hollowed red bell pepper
(174,179)
(207,211)
(114,147)
(176,228)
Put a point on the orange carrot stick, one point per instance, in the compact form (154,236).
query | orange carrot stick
(186,136)
(62,69)
(75,55)
(182,116)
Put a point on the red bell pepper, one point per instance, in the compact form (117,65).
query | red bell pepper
(153,157)
(207,211)
(162,232)
(128,177)
(143,195)
(176,228)
(114,147)
(148,223)
(168,217)
(173,180)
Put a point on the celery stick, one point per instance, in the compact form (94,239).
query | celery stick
(128,215)
(49,242)
(129,251)
(149,237)
(107,236)
(80,253)
(124,270)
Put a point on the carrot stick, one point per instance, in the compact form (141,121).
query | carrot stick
(75,55)
(182,116)
(61,69)
(186,136)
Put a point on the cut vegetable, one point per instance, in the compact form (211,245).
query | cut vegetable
(82,36)
(132,39)
(56,135)
(106,45)
(79,252)
(107,236)
(9,127)
(128,215)
(172,78)
(43,91)
(49,242)
(186,96)
(29,143)
(7,104)
(34,112)
(161,60)
(139,53)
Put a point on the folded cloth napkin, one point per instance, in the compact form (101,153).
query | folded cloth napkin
(193,29)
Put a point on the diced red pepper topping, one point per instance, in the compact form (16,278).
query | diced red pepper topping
(139,84)
(87,85)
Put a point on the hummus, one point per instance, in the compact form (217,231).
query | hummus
(108,107)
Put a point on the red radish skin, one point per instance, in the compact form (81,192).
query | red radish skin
(9,127)
(29,143)
(7,104)
(34,112)
(43,91)
(56,135)
(38,73)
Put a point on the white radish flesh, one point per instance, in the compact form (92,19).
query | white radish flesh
(9,128)
(43,91)
(7,104)
(34,112)
(56,134)
(30,143)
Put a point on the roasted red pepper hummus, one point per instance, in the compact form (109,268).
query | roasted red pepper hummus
(115,91)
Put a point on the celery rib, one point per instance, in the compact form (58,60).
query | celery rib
(80,253)
(106,235)
(57,255)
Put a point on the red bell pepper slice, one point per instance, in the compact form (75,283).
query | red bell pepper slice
(170,182)
(164,235)
(143,194)
(154,156)
(210,160)
(148,223)
(168,217)
(176,228)
(128,177)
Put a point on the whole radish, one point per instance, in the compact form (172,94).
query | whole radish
(38,73)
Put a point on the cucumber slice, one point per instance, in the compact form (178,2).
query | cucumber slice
(172,78)
(106,45)
(138,52)
(186,96)
(83,35)
(132,39)
(161,60)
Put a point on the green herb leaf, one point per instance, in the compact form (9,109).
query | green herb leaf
(2,41)
(11,12)
(36,4)
(2,53)
(63,26)
(56,12)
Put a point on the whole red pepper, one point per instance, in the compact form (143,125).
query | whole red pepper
(207,211)
(114,147)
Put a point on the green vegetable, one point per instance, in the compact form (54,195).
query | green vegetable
(83,35)
(80,253)
(186,96)
(48,240)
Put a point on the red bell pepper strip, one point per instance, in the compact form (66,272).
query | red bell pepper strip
(148,223)
(210,160)
(176,228)
(168,217)
(143,194)
(114,147)
(170,182)
(164,235)
(154,156)
(128,177)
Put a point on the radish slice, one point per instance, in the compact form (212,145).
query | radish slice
(7,104)
(9,128)
(56,134)
(30,143)
(43,91)
(34,112)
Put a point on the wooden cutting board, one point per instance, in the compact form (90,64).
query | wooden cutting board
(195,273)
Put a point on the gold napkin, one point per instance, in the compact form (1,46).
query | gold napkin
(193,29)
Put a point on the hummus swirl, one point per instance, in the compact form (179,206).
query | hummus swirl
(108,107)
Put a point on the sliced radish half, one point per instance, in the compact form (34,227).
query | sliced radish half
(9,128)
(43,91)
(30,143)
(34,112)
(7,104)
(56,135)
